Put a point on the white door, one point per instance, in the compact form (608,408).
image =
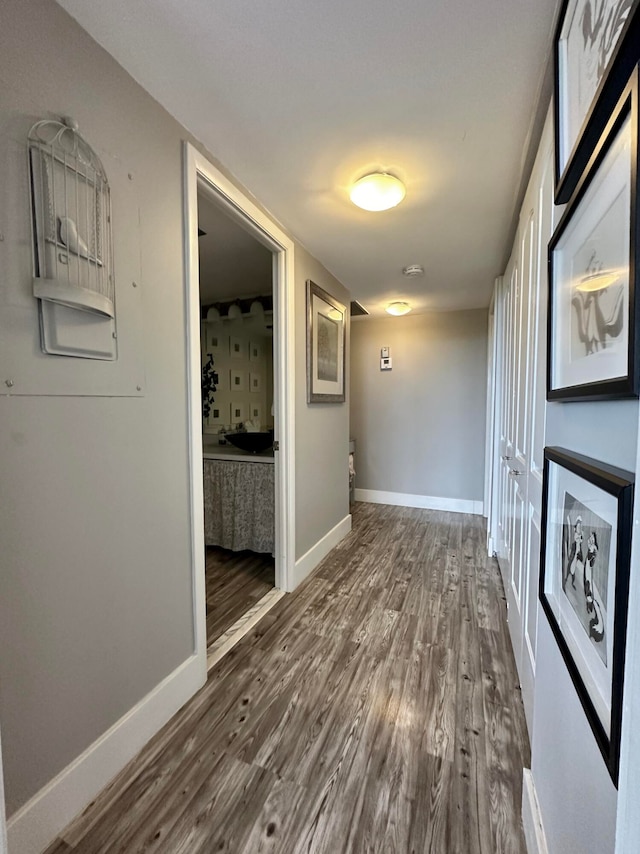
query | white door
(521,390)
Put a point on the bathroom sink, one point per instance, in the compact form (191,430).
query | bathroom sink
(251,442)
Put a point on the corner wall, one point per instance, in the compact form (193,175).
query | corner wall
(420,428)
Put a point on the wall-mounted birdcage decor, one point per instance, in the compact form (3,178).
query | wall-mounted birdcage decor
(72,243)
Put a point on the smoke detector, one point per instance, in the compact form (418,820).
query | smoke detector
(413,270)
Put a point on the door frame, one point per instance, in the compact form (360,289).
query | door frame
(4,846)
(201,175)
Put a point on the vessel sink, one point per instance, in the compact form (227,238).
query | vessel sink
(251,442)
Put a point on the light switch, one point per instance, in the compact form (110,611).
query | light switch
(384,353)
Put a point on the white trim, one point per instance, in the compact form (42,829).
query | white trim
(242,626)
(3,822)
(200,173)
(42,818)
(426,502)
(534,837)
(310,559)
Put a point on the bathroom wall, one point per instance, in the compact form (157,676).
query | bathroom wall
(95,578)
(420,427)
(242,351)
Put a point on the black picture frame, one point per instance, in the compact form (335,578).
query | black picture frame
(326,346)
(562,537)
(581,309)
(570,164)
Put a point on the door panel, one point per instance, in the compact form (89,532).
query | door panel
(521,303)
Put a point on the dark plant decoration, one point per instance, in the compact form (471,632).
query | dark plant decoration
(209,384)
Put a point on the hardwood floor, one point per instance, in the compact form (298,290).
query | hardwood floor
(376,709)
(235,582)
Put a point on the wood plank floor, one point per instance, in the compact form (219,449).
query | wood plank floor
(235,581)
(376,709)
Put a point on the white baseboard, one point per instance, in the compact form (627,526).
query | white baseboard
(40,820)
(531,819)
(308,562)
(425,502)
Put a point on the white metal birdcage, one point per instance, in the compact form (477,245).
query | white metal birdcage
(71,218)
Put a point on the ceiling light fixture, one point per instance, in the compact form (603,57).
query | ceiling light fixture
(377,192)
(398,308)
(413,270)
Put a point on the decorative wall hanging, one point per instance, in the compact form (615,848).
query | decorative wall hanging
(584,582)
(593,270)
(326,335)
(72,243)
(596,47)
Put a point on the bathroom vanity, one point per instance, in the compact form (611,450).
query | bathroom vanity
(239,499)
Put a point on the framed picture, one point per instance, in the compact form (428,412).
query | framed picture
(255,351)
(237,412)
(215,415)
(213,338)
(237,347)
(326,333)
(255,382)
(593,266)
(584,582)
(236,380)
(596,49)
(255,412)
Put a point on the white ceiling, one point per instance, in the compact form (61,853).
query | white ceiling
(233,264)
(298,100)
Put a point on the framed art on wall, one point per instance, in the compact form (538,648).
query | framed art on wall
(584,582)
(236,380)
(595,50)
(593,255)
(326,335)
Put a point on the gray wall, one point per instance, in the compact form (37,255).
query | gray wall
(322,429)
(577,798)
(95,586)
(420,428)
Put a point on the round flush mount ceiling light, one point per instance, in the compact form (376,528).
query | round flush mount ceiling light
(398,308)
(377,192)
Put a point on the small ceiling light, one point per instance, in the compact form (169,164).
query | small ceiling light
(377,192)
(413,270)
(398,308)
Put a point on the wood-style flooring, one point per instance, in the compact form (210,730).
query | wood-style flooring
(376,709)
(235,581)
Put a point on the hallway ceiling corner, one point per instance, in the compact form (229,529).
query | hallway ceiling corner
(300,100)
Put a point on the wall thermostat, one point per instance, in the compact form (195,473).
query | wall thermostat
(385,359)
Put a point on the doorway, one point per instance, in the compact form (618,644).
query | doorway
(203,181)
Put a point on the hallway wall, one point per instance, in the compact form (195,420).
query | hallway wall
(420,428)
(95,583)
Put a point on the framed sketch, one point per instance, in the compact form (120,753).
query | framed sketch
(593,267)
(213,338)
(326,333)
(255,382)
(255,412)
(237,347)
(584,582)
(595,52)
(255,351)
(236,380)
(215,415)
(237,412)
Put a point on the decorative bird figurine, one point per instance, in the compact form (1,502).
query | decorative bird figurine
(70,238)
